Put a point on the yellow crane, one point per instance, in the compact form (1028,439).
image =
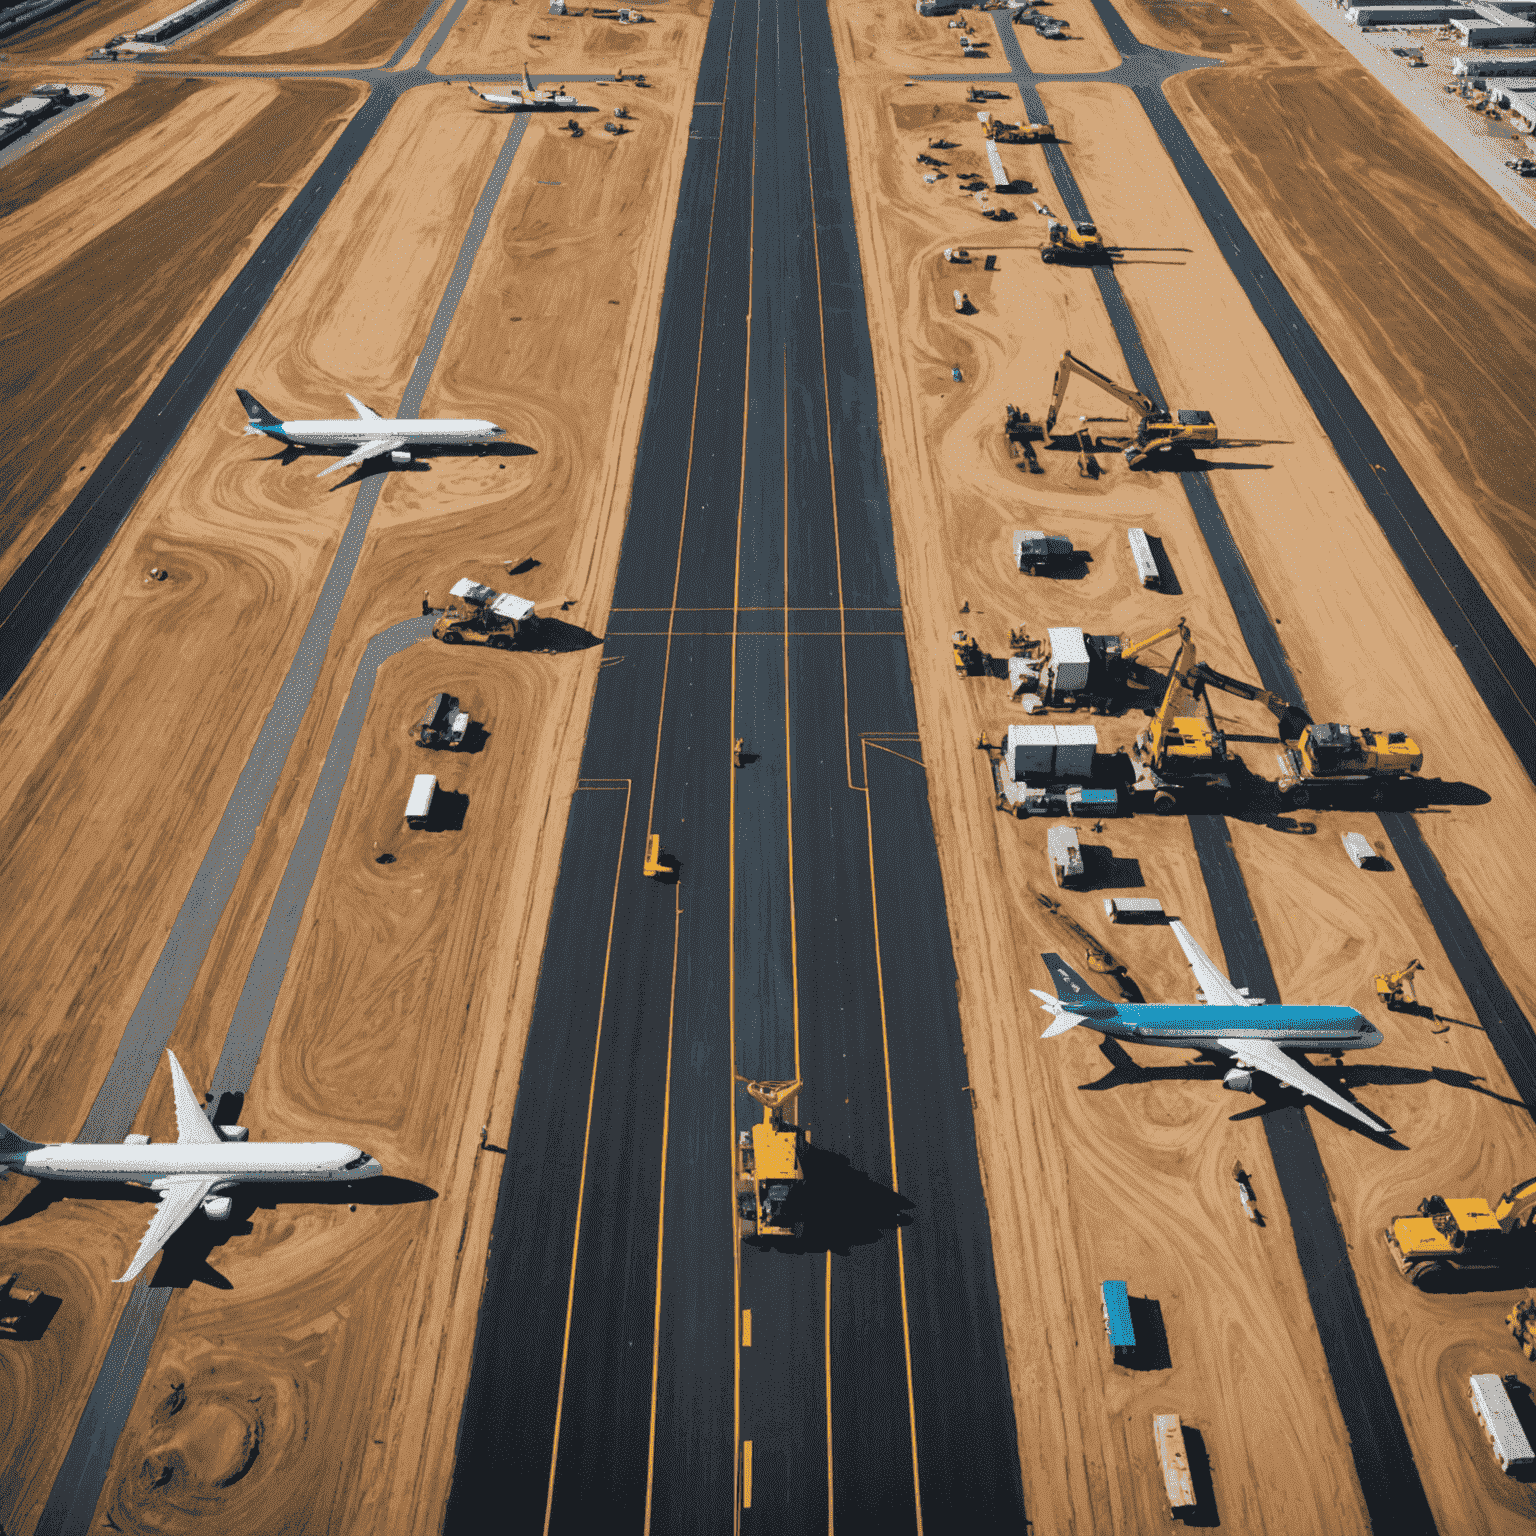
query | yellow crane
(1157,431)
(769,1166)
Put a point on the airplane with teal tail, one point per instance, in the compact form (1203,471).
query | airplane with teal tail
(1254,1035)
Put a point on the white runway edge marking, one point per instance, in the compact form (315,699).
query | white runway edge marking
(77,1488)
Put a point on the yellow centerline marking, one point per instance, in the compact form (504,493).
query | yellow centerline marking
(826,1334)
(890,1118)
(742,1468)
(789,788)
(746,1328)
(581,1187)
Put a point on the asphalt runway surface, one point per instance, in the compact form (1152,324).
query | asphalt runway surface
(803,932)
(77,1488)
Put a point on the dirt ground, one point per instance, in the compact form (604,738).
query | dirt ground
(1426,279)
(340,34)
(121,233)
(72,33)
(1161,1158)
(401,1023)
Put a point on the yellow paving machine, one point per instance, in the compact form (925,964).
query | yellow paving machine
(769,1166)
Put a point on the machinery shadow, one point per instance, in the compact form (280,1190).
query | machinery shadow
(1204,1511)
(449,808)
(841,1208)
(34,1321)
(1102,870)
(1151,1352)
(556,637)
(1168,581)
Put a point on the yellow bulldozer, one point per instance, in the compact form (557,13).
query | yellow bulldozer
(1157,430)
(769,1163)
(1450,1237)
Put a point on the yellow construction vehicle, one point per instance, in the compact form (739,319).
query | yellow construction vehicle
(1095,956)
(769,1163)
(1087,465)
(1016,133)
(1078,242)
(1330,755)
(1156,430)
(488,617)
(969,659)
(1522,1323)
(1396,989)
(1447,1237)
(1291,719)
(1180,751)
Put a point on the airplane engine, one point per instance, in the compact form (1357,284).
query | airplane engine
(400,456)
(218,1207)
(1239,1080)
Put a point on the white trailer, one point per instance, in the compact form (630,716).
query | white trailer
(419,806)
(1359,849)
(1171,1456)
(1001,182)
(1141,552)
(1132,909)
(1067,671)
(1495,1412)
(1066,856)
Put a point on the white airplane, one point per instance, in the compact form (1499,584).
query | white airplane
(528,97)
(192,1171)
(369,435)
(1223,1026)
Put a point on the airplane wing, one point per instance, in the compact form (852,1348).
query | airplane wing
(362,410)
(369,450)
(180,1196)
(1266,1056)
(1217,988)
(192,1125)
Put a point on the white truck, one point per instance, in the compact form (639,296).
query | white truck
(1168,1432)
(419,807)
(1495,1412)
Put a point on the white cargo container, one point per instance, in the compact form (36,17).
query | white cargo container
(419,806)
(1068,672)
(1031,750)
(1065,854)
(1359,849)
(1132,909)
(1490,1401)
(1141,553)
(1169,1435)
(30,109)
(1001,181)
(1075,747)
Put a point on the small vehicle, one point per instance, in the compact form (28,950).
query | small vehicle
(444,724)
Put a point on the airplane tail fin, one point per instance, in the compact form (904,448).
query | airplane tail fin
(1070,987)
(258,415)
(12,1145)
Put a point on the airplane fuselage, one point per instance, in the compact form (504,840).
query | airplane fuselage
(351,430)
(263,1162)
(1201,1027)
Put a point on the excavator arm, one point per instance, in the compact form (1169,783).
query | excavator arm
(1292,719)
(1132,398)
(1141,645)
(1516,1207)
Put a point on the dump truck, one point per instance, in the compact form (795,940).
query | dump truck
(1331,756)
(1157,430)
(770,1163)
(486,617)
(1448,1237)
(444,724)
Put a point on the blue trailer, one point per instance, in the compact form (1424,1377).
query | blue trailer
(1117,1318)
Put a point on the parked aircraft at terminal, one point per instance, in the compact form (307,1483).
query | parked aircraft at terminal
(368,434)
(1254,1035)
(192,1171)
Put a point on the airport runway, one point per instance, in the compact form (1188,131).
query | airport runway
(803,934)
(1389,1481)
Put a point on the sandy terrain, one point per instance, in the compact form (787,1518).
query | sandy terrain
(1350,622)
(111,263)
(328,33)
(74,32)
(347,1375)
(1425,278)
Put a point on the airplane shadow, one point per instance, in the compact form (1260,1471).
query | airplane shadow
(369,468)
(184,1260)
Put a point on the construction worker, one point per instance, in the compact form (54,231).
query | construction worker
(738,752)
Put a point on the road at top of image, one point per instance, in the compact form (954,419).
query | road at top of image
(691,1381)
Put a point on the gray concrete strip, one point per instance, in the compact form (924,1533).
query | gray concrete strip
(76,1492)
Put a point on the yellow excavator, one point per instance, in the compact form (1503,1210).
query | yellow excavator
(1016,133)
(1180,751)
(1453,1236)
(1157,431)
(769,1163)
(1330,754)
(1395,989)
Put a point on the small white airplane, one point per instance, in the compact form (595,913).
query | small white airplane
(192,1171)
(1226,1025)
(529,98)
(369,435)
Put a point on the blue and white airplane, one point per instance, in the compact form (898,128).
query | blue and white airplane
(1225,1025)
(368,434)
